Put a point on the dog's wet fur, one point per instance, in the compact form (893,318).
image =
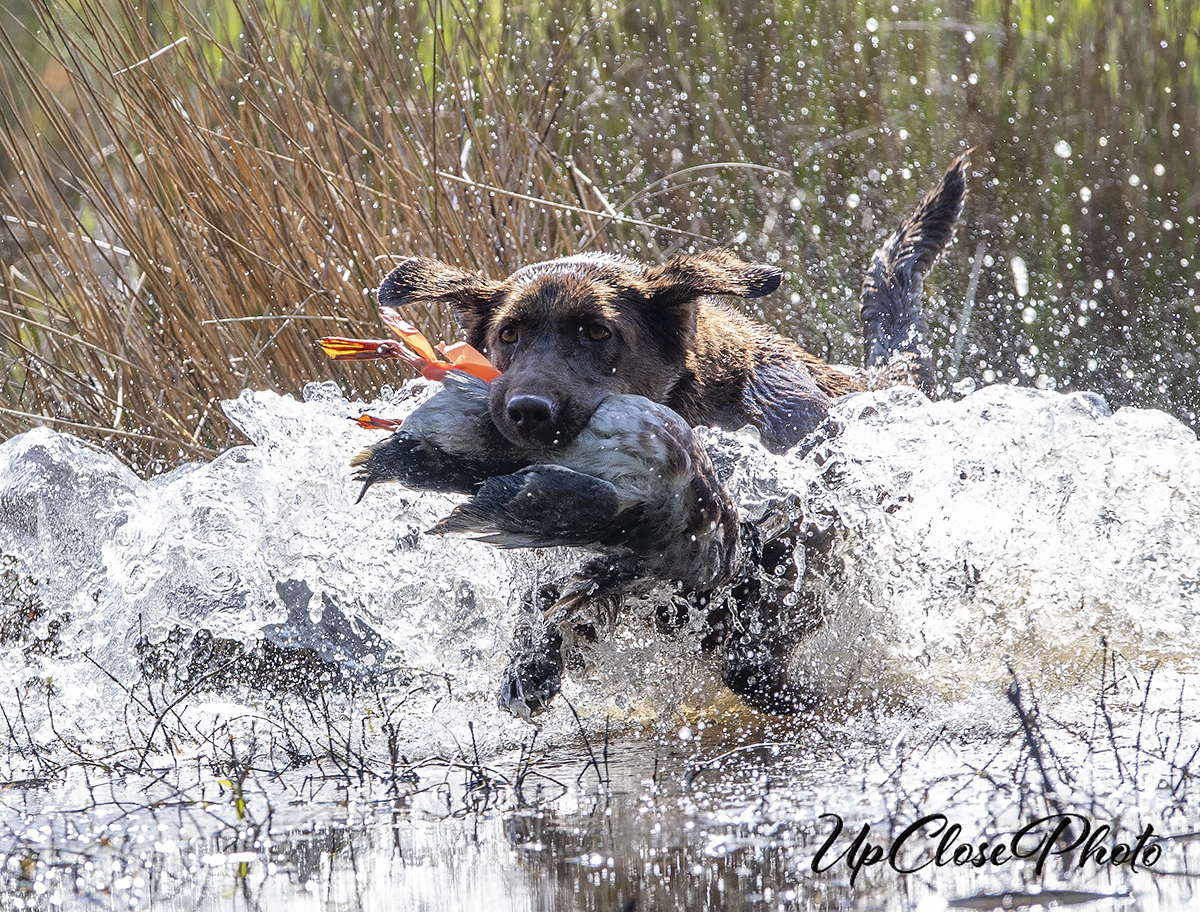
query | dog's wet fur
(568,333)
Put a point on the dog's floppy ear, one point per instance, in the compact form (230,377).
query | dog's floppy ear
(714,272)
(421,281)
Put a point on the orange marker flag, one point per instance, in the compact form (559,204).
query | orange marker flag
(418,353)
(371,423)
(410,334)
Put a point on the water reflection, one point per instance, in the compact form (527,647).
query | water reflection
(649,828)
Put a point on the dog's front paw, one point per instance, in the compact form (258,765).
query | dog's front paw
(534,676)
(531,683)
(767,690)
(760,677)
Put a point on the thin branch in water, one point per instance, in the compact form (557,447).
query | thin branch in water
(588,744)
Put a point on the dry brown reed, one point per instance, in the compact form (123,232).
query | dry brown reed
(190,203)
(189,199)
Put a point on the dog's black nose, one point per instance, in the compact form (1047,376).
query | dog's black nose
(529,412)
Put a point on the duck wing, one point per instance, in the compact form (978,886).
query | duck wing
(448,444)
(544,506)
(418,463)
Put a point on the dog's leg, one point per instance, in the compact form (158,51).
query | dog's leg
(894,325)
(771,609)
(534,675)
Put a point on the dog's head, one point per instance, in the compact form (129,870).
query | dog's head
(567,333)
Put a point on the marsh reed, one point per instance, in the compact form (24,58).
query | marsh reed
(189,205)
(193,192)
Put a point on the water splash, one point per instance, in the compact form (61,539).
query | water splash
(1013,532)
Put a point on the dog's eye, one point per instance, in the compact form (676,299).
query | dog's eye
(508,335)
(597,332)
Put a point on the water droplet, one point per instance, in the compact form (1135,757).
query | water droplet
(1020,276)
(963,387)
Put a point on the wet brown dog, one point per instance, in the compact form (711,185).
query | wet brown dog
(571,332)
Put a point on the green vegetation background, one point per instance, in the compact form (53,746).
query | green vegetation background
(193,192)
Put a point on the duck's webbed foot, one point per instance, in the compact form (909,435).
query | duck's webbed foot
(600,584)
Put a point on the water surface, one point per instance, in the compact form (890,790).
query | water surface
(230,686)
